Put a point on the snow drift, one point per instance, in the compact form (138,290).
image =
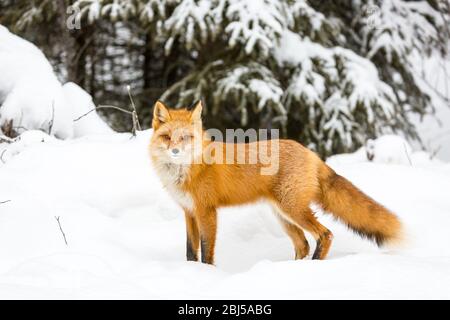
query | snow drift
(84,121)
(126,237)
(33,98)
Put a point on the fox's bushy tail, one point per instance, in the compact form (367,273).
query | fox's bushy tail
(357,210)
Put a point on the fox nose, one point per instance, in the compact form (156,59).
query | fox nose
(175,150)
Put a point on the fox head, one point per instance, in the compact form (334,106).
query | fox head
(177,134)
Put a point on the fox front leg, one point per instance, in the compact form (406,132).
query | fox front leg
(192,237)
(207,223)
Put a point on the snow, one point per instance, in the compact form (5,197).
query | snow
(188,15)
(151,8)
(82,106)
(402,26)
(407,30)
(126,237)
(388,149)
(33,98)
(432,74)
(252,81)
(30,95)
(257,23)
(323,87)
(361,73)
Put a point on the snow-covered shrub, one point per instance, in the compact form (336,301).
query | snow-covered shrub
(31,95)
(32,98)
(391,149)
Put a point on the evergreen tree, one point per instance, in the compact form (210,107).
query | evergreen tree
(329,74)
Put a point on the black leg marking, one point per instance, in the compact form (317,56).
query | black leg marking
(191,255)
(318,251)
(204,246)
(319,247)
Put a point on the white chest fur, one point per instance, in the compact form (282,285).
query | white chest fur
(172,177)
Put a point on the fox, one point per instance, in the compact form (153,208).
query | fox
(201,187)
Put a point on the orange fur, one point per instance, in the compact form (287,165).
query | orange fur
(303,178)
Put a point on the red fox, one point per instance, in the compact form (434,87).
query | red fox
(201,187)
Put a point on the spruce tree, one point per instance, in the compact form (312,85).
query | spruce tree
(330,74)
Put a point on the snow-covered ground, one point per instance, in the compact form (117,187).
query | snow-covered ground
(126,237)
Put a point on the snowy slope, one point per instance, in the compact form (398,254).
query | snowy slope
(33,98)
(30,93)
(126,238)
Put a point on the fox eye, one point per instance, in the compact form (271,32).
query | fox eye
(165,137)
(187,137)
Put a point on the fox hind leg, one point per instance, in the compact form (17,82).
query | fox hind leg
(297,236)
(322,235)
(304,218)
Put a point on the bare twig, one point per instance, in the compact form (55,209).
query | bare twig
(60,228)
(50,124)
(2,154)
(136,124)
(103,107)
(133,113)
(434,152)
(82,49)
(20,128)
(6,201)
(407,154)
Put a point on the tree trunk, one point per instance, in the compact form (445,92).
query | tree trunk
(74,44)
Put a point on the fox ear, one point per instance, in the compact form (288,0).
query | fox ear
(160,114)
(196,114)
